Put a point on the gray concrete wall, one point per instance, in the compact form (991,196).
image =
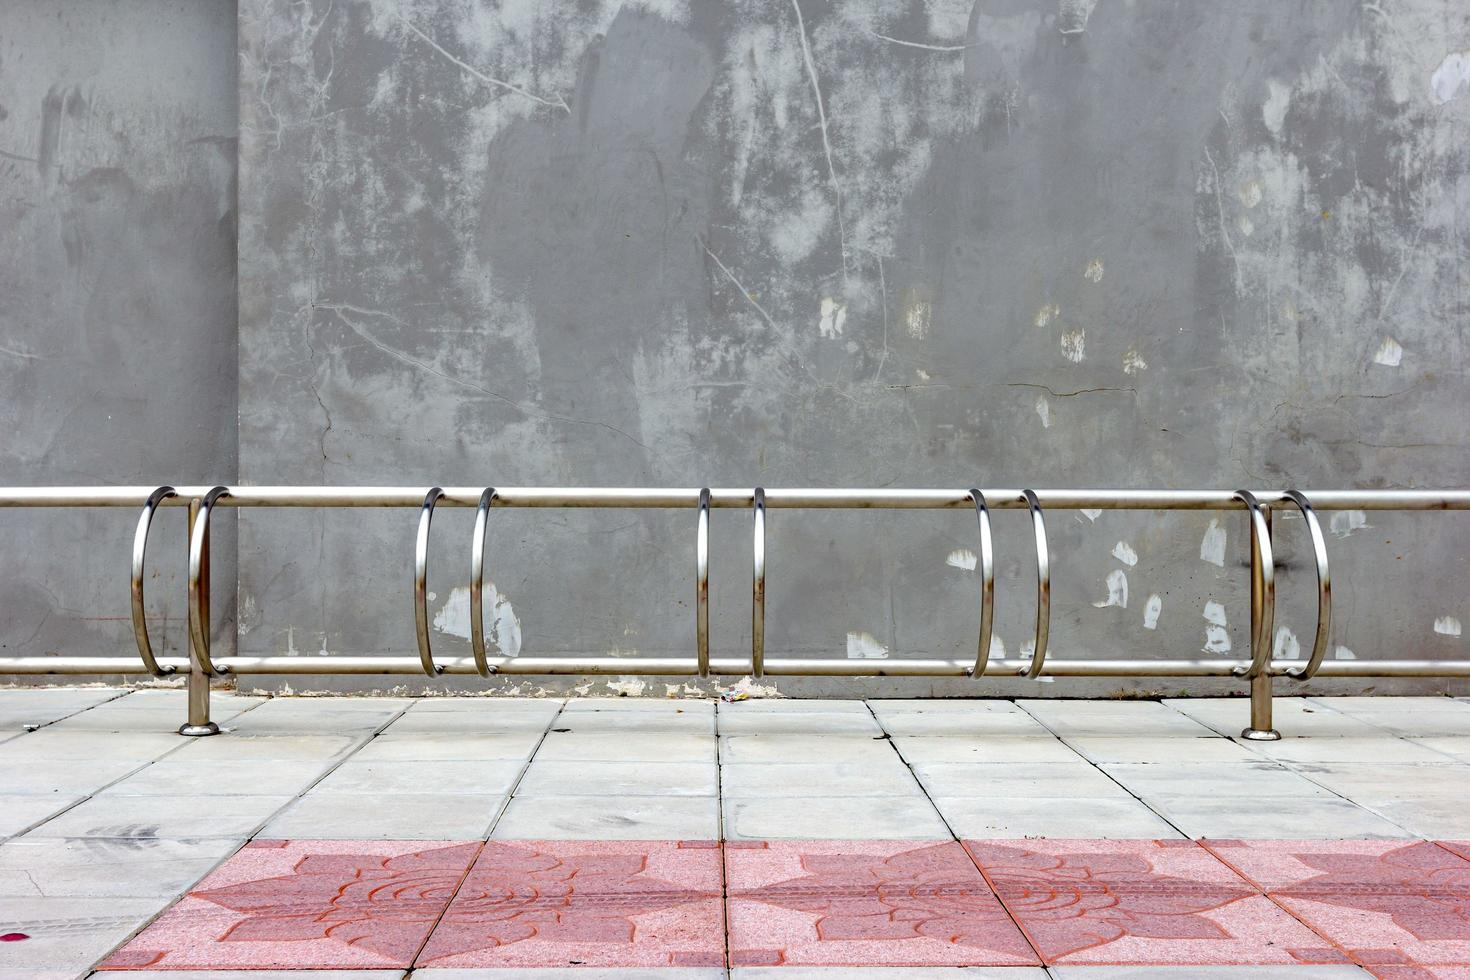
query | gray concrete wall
(117,302)
(852,243)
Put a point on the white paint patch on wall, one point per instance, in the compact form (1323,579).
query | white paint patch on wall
(997,648)
(961,558)
(1133,362)
(1217,637)
(918,318)
(1345,522)
(1123,551)
(1212,546)
(1287,646)
(1447,626)
(1117,590)
(1214,613)
(834,315)
(865,646)
(1074,345)
(1343,653)
(1094,271)
(1451,77)
(1092,513)
(1043,411)
(1047,314)
(1151,611)
(1273,111)
(503,634)
(1389,353)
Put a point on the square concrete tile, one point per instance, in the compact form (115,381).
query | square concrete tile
(1275,817)
(742,719)
(1018,779)
(114,717)
(396,746)
(1382,901)
(300,722)
(1382,782)
(470,723)
(22,811)
(233,747)
(172,776)
(841,817)
(492,706)
(68,934)
(318,904)
(384,778)
(1138,902)
(626,747)
(618,779)
(684,720)
(68,777)
(1293,717)
(1355,749)
(863,904)
(163,816)
(178,697)
(1381,704)
(751,780)
(1453,746)
(610,818)
(1067,718)
(647,706)
(400,816)
(585,903)
(1431,816)
(1253,778)
(795,706)
(787,749)
(48,746)
(34,707)
(917,749)
(94,867)
(955,718)
(1110,817)
(1167,750)
(1432,724)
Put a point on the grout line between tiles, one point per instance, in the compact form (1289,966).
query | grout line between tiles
(530,760)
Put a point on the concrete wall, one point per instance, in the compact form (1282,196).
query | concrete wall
(1037,242)
(117,302)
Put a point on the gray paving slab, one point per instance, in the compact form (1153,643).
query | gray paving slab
(795,706)
(610,818)
(888,973)
(1422,723)
(1109,818)
(983,718)
(559,778)
(651,722)
(1384,748)
(1209,780)
(19,812)
(1434,817)
(394,745)
(1035,780)
(1208,973)
(644,706)
(94,867)
(1276,817)
(163,816)
(1455,746)
(68,933)
(30,707)
(758,722)
(400,816)
(383,778)
(627,747)
(778,749)
(833,817)
(1070,717)
(49,745)
(72,776)
(451,723)
(237,747)
(1378,704)
(918,749)
(325,721)
(1293,717)
(1168,750)
(172,776)
(491,705)
(1380,782)
(751,780)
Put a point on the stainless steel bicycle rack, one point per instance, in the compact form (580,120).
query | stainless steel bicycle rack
(1259,669)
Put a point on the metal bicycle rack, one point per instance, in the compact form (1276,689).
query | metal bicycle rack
(1259,670)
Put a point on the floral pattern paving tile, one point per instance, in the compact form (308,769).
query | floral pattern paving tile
(585,903)
(1140,902)
(1391,904)
(865,903)
(306,904)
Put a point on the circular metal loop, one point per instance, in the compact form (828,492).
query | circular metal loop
(477,582)
(420,582)
(198,587)
(140,549)
(758,588)
(1324,588)
(1263,588)
(701,583)
(1043,585)
(987,585)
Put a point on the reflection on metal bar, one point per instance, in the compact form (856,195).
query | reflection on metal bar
(477,581)
(199,584)
(1263,588)
(140,550)
(701,584)
(421,582)
(1043,586)
(1324,589)
(758,587)
(987,585)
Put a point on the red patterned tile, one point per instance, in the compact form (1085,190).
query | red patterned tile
(1140,902)
(306,904)
(865,903)
(1389,903)
(584,903)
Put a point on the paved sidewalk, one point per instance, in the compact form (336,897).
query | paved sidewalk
(478,837)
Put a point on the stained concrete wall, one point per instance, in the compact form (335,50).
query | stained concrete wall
(1034,242)
(117,302)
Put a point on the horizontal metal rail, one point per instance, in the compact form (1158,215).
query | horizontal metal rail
(1258,505)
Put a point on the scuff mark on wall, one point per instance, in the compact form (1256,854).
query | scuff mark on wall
(1151,611)
(1046,314)
(962,558)
(1123,551)
(865,646)
(1074,344)
(1094,271)
(1212,546)
(834,315)
(918,312)
(1447,626)
(1117,590)
(1133,362)
(1451,77)
(1043,411)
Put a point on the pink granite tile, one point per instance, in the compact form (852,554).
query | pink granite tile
(306,905)
(1460,847)
(585,903)
(1386,902)
(1123,902)
(865,903)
